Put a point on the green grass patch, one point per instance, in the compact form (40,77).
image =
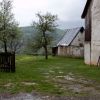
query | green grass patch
(35,69)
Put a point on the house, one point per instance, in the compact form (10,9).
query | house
(71,44)
(91,14)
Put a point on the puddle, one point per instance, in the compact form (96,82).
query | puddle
(31,96)
(45,97)
(91,90)
(28,83)
(77,84)
(22,96)
(57,67)
(59,76)
(8,85)
(47,76)
(68,82)
(79,88)
(60,72)
(69,78)
(51,71)
(46,73)
(76,88)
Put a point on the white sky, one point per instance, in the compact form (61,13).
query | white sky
(67,10)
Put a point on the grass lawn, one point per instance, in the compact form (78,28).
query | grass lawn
(52,76)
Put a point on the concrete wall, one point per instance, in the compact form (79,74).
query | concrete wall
(87,44)
(87,55)
(95,35)
(72,51)
(95,43)
(60,51)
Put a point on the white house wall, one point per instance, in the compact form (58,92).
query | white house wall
(95,44)
(76,45)
(87,55)
(79,39)
(87,45)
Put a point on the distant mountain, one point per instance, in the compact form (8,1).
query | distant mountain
(29,31)
(70,24)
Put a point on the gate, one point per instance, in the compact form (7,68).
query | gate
(7,62)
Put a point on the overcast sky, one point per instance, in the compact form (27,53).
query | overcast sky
(67,10)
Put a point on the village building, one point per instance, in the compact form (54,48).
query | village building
(71,44)
(91,14)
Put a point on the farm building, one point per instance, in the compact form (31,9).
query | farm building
(71,44)
(91,14)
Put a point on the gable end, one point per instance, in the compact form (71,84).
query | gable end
(86,8)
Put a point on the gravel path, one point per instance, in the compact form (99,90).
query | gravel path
(20,96)
(77,85)
(26,96)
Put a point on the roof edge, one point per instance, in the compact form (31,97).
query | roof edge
(80,30)
(86,8)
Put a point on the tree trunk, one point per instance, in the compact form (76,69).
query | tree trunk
(46,52)
(45,46)
(5,47)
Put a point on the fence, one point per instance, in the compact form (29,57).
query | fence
(7,62)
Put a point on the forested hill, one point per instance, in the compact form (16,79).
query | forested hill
(29,31)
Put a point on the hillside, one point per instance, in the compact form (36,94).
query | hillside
(29,31)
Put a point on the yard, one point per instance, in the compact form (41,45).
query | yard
(57,76)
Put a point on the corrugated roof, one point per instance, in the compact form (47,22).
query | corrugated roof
(69,36)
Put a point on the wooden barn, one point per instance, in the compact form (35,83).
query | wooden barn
(91,14)
(71,44)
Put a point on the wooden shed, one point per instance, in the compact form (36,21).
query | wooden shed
(72,43)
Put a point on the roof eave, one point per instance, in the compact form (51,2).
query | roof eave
(86,8)
(80,30)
